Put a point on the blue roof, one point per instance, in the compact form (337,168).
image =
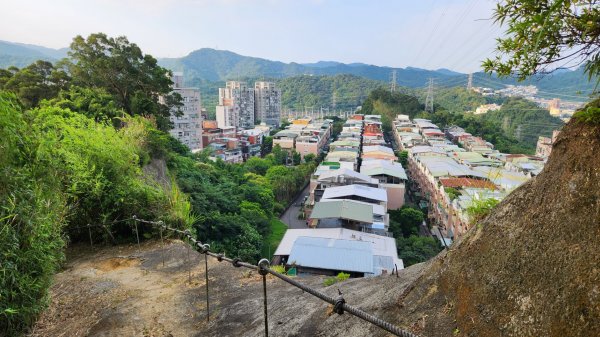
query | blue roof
(332,254)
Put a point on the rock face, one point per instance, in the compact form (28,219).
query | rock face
(532,267)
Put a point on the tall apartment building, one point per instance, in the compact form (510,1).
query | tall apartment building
(187,128)
(236,106)
(267,103)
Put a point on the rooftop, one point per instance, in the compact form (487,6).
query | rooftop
(466,182)
(381,245)
(343,209)
(356,190)
(332,254)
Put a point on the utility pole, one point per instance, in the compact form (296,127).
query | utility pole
(429,99)
(333,100)
(470,82)
(393,81)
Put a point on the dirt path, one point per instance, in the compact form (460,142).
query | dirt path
(123,291)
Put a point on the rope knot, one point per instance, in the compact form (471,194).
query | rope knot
(338,307)
(236,262)
(219,257)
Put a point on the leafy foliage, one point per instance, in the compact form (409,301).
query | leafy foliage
(541,33)
(480,208)
(135,80)
(61,171)
(38,81)
(524,120)
(417,249)
(389,105)
(405,221)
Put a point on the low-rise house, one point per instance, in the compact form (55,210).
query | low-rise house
(285,139)
(357,192)
(391,177)
(338,177)
(329,251)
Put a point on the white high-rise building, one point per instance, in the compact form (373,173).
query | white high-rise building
(267,103)
(236,106)
(187,128)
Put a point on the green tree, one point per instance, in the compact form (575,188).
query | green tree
(257,165)
(403,158)
(405,221)
(134,79)
(95,103)
(266,146)
(256,216)
(417,249)
(296,157)
(542,33)
(38,81)
(279,155)
(310,158)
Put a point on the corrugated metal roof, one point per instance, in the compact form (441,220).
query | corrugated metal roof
(381,245)
(383,167)
(347,173)
(378,148)
(377,209)
(332,254)
(357,190)
(343,209)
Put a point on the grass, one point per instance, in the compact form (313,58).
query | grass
(278,229)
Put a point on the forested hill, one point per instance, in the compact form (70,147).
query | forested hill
(21,55)
(220,65)
(205,66)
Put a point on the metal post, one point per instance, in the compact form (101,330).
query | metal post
(206,276)
(90,232)
(137,234)
(189,264)
(263,266)
(163,246)
(264,277)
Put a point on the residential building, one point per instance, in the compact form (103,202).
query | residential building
(267,103)
(236,106)
(329,251)
(187,119)
(391,177)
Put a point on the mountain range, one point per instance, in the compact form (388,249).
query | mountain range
(208,65)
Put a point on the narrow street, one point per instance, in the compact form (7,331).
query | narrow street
(290,217)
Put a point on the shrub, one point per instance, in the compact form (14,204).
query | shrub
(342,276)
(329,281)
(278,268)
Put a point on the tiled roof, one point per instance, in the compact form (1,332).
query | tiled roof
(466,182)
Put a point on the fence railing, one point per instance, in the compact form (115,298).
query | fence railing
(263,268)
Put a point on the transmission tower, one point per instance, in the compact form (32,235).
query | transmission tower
(429,99)
(470,82)
(333,100)
(393,81)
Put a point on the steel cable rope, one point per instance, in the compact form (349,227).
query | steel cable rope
(340,305)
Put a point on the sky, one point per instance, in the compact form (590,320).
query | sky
(430,34)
